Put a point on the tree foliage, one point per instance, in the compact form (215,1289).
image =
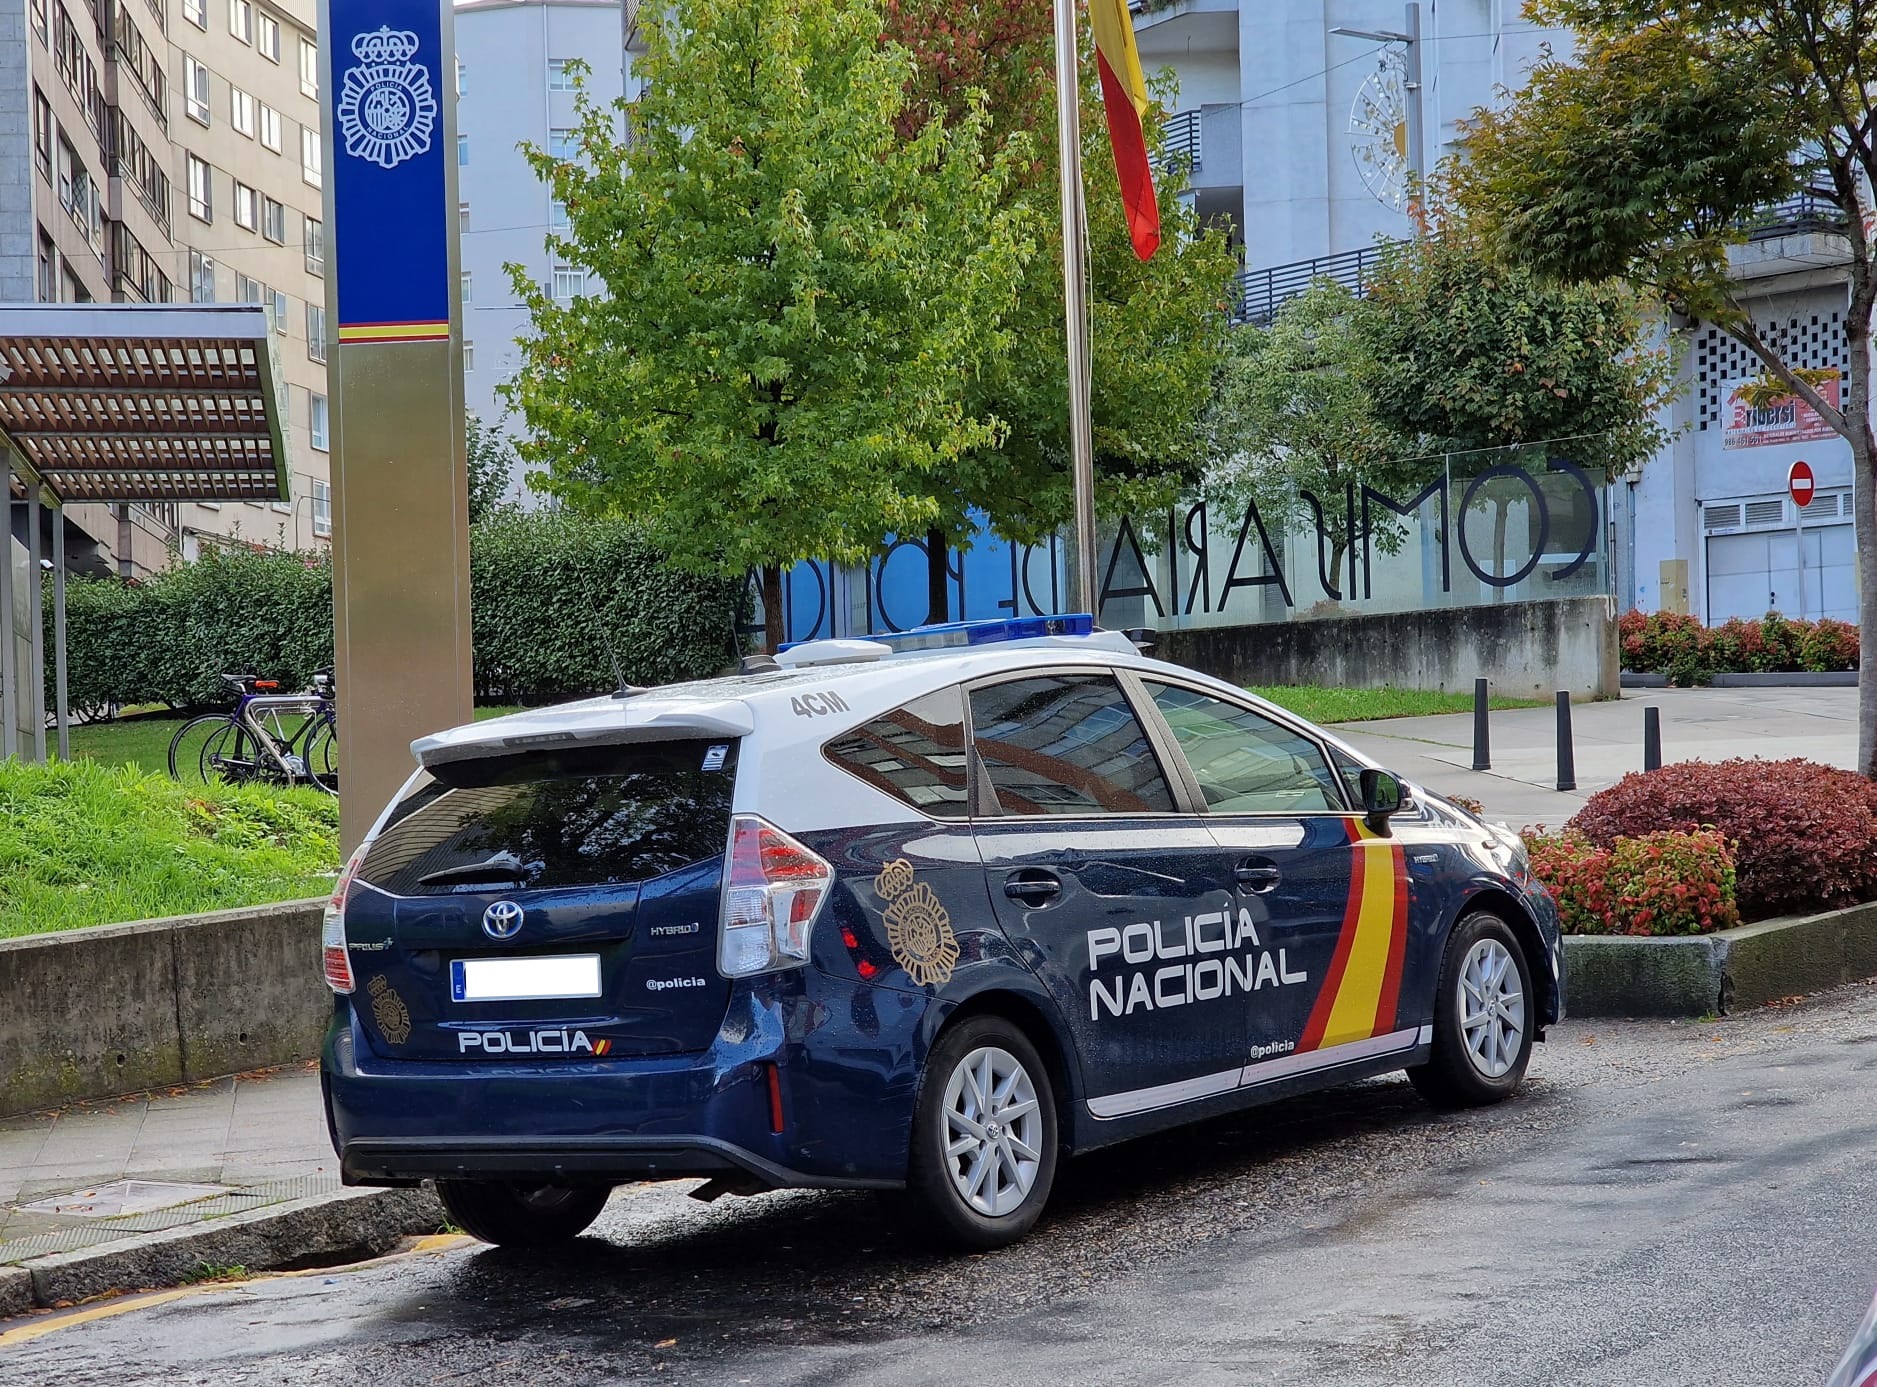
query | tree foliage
(491,459)
(788,294)
(1655,149)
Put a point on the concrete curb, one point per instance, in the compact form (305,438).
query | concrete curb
(1752,679)
(348,1226)
(1707,975)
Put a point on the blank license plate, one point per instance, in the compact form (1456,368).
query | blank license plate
(524,979)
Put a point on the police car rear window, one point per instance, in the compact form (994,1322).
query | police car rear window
(915,754)
(1066,744)
(549,819)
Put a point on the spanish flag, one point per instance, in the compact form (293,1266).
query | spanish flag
(1124,96)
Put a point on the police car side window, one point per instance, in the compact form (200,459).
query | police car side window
(1244,762)
(916,753)
(1066,744)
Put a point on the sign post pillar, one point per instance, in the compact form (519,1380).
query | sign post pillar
(1801,483)
(400,486)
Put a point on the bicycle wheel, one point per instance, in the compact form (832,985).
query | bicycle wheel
(321,750)
(213,749)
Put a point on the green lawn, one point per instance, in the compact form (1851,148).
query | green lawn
(1319,704)
(143,739)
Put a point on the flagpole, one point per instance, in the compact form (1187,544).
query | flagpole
(1083,592)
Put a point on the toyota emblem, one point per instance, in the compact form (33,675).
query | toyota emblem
(502,920)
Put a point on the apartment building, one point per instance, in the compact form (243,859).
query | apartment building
(514,86)
(168,151)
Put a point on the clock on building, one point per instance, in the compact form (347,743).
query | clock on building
(1378,131)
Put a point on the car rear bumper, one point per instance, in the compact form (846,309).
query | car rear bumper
(613,1160)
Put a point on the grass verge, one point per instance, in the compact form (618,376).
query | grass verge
(1319,704)
(88,844)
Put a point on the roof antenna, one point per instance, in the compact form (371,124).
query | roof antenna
(624,690)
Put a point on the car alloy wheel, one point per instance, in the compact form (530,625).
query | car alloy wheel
(993,1131)
(1492,1008)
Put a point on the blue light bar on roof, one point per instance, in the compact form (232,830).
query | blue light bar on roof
(962,634)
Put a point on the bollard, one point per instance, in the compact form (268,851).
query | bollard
(1482,743)
(1652,738)
(1567,763)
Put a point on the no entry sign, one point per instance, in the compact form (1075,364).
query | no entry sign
(1801,483)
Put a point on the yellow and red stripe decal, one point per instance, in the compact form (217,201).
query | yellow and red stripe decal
(394,332)
(1362,989)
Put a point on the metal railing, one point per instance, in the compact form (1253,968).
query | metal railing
(1810,211)
(1262,292)
(1182,140)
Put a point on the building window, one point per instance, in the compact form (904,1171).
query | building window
(42,133)
(570,282)
(201,203)
(247,207)
(274,221)
(462,216)
(278,313)
(201,278)
(39,21)
(462,151)
(316,421)
(557,214)
(267,36)
(462,76)
(469,355)
(316,331)
(196,12)
(309,157)
(322,506)
(563,144)
(309,68)
(314,241)
(468,288)
(559,79)
(241,19)
(48,269)
(241,111)
(270,127)
(250,290)
(195,90)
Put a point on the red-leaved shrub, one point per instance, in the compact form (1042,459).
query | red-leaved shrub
(1659,883)
(1689,653)
(1804,836)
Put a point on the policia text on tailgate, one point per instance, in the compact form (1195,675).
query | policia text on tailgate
(927,911)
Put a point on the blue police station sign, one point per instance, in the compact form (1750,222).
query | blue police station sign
(390,232)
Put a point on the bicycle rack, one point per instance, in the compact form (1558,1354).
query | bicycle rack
(308,702)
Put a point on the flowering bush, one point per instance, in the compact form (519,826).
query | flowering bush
(1659,883)
(1688,652)
(1804,835)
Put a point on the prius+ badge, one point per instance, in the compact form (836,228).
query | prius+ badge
(502,920)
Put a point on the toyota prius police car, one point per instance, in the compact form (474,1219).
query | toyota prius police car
(925,911)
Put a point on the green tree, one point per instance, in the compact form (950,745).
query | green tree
(793,294)
(1649,154)
(1293,416)
(491,463)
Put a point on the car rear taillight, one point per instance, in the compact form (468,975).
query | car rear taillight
(770,899)
(332,928)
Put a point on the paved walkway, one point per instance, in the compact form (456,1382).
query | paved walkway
(1697,725)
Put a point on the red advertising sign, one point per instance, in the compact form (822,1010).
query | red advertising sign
(1801,483)
(1786,419)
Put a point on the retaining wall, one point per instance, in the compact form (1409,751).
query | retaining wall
(91,1013)
(1527,649)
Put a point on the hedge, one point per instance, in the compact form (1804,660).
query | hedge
(1655,883)
(544,585)
(1689,653)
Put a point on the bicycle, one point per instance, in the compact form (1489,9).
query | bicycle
(255,745)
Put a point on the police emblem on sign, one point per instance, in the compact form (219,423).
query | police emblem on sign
(918,928)
(386,110)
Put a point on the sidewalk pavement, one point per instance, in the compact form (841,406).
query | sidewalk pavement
(1697,725)
(152,1188)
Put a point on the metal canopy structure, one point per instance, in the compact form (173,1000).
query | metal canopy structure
(143,402)
(118,404)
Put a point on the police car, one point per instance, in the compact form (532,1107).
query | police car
(926,911)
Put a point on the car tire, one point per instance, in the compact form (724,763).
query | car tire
(517,1215)
(1484,1017)
(983,1184)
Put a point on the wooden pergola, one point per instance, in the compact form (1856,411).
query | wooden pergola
(120,404)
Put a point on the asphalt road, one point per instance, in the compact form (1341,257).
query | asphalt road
(1663,1204)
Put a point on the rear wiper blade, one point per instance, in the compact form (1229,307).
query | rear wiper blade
(504,866)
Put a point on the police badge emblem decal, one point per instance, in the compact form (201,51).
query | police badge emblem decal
(386,109)
(918,928)
(388,1009)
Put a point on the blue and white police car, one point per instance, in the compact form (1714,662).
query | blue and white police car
(927,911)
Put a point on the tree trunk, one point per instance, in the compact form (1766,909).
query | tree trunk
(1500,506)
(772,608)
(938,605)
(1864,512)
(1338,548)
